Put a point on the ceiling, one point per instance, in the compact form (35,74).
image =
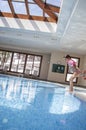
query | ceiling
(67,34)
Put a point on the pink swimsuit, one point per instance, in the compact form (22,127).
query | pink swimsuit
(71,63)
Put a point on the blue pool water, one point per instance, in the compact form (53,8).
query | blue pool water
(35,105)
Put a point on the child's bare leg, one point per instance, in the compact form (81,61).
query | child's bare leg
(71,81)
(71,84)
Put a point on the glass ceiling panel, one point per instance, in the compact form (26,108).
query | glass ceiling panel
(35,10)
(54,2)
(31,1)
(19,0)
(4,6)
(46,15)
(19,8)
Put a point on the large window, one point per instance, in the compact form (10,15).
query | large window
(20,63)
(68,75)
(36,65)
(29,64)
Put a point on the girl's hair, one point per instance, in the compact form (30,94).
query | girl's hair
(67,56)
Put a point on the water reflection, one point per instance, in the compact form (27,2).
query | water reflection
(16,92)
(20,93)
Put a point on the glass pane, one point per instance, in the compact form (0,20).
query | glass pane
(4,6)
(8,57)
(18,62)
(37,61)
(21,63)
(36,66)
(46,15)
(54,2)
(35,71)
(35,10)
(19,8)
(15,62)
(5,59)
(2,58)
(29,64)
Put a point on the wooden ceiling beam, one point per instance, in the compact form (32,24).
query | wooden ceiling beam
(22,16)
(53,8)
(27,9)
(11,6)
(48,12)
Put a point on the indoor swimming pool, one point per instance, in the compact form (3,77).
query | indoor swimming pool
(28,104)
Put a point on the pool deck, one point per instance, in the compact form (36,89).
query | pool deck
(78,92)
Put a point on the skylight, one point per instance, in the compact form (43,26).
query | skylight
(41,10)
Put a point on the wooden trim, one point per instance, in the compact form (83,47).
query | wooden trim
(27,9)
(52,7)
(49,12)
(11,6)
(22,16)
(47,8)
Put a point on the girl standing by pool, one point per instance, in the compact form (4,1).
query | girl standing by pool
(73,68)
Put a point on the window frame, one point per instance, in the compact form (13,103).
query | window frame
(26,55)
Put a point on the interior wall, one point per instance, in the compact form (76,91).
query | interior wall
(55,58)
(45,67)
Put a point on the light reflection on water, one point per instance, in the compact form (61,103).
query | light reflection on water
(36,105)
(20,93)
(16,92)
